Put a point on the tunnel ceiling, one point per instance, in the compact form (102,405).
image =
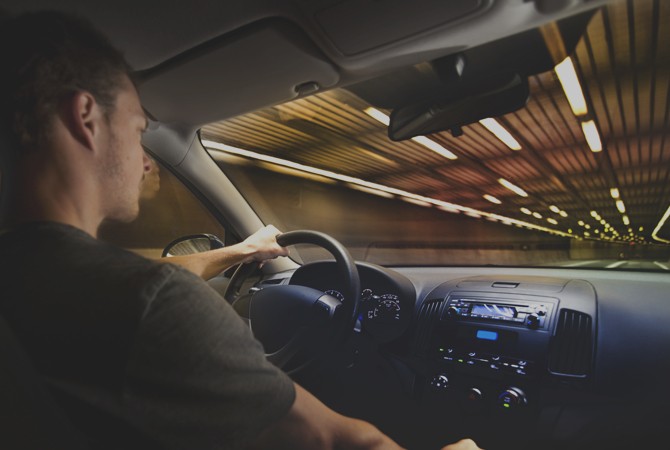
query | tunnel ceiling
(623,62)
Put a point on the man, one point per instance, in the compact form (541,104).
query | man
(139,354)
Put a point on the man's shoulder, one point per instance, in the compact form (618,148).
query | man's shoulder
(65,257)
(67,244)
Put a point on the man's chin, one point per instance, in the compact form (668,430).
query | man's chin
(125,216)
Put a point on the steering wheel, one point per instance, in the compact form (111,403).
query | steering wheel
(296,323)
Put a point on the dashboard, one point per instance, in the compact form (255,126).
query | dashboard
(516,358)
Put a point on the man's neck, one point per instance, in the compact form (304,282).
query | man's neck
(49,195)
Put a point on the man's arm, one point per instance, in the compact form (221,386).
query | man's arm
(310,424)
(260,247)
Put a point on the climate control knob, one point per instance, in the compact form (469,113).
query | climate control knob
(512,398)
(440,382)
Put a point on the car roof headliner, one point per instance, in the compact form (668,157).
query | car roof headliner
(207,60)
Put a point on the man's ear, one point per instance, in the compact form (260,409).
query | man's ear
(83,116)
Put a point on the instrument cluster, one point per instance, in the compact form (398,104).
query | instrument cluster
(387,298)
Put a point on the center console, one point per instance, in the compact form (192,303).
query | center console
(490,351)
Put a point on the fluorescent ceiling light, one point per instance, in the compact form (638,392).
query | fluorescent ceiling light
(581,223)
(537,215)
(512,187)
(620,206)
(473,214)
(434,146)
(526,211)
(416,202)
(614,192)
(377,115)
(501,133)
(626,220)
(594,214)
(592,137)
(552,221)
(641,229)
(371,191)
(492,199)
(587,226)
(449,209)
(563,214)
(570,83)
(554,208)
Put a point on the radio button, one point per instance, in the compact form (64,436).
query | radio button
(533,321)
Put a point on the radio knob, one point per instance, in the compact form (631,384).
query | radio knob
(452,312)
(512,398)
(533,321)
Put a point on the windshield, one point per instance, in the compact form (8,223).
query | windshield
(550,184)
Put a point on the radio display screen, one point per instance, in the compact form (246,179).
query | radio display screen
(494,310)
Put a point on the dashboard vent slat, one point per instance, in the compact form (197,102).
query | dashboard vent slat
(572,348)
(427,317)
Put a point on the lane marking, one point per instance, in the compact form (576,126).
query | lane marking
(662,266)
(582,263)
(615,265)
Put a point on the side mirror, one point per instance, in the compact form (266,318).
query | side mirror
(195,243)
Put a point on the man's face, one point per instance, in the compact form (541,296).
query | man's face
(123,159)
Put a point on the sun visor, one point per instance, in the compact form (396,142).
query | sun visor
(266,63)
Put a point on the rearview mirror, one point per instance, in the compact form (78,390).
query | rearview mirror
(195,243)
(508,95)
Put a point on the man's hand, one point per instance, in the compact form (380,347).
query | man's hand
(262,245)
(311,425)
(463,444)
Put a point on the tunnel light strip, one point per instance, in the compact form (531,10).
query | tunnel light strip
(492,199)
(654,233)
(501,133)
(592,137)
(434,146)
(377,115)
(513,187)
(357,182)
(567,76)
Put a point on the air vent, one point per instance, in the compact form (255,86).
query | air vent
(573,345)
(427,317)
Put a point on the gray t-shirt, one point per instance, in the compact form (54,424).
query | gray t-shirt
(140,354)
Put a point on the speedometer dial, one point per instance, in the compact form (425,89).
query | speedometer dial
(387,308)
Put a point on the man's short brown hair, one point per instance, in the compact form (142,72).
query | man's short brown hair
(47,56)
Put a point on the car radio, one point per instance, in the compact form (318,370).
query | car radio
(530,314)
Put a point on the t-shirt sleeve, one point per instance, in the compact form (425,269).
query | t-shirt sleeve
(197,378)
